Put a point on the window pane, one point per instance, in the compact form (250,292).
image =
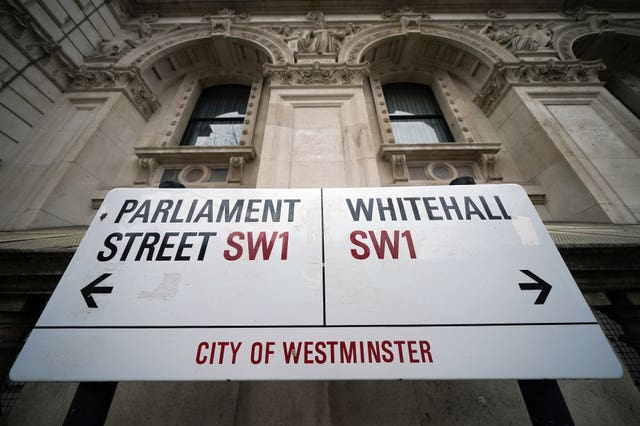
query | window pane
(222,101)
(410,99)
(416,130)
(218,117)
(213,133)
(218,175)
(415,115)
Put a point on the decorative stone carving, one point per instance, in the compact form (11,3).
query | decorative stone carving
(596,24)
(411,24)
(404,11)
(144,28)
(518,38)
(127,79)
(279,54)
(230,14)
(114,49)
(496,14)
(506,75)
(353,48)
(320,39)
(236,170)
(489,168)
(316,74)
(490,93)
(146,168)
(399,170)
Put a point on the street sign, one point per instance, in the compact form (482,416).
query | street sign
(457,282)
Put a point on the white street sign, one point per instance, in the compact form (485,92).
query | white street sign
(456,282)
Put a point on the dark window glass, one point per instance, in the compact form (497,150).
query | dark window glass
(415,115)
(218,116)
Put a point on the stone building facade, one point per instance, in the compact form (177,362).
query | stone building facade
(100,94)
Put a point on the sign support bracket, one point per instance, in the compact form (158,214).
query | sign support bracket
(90,404)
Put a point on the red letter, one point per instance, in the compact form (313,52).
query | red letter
(291,352)
(380,247)
(285,245)
(238,247)
(360,244)
(201,346)
(412,250)
(256,359)
(424,349)
(262,242)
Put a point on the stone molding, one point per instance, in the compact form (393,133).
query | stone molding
(273,46)
(32,41)
(595,24)
(482,154)
(127,80)
(176,155)
(316,74)
(485,49)
(404,11)
(48,56)
(539,73)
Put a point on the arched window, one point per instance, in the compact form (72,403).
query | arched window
(218,116)
(415,115)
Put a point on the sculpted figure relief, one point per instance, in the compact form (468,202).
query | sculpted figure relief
(320,39)
(517,38)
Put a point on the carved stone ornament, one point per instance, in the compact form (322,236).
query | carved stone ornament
(489,167)
(404,11)
(316,74)
(236,170)
(146,169)
(319,39)
(126,79)
(228,14)
(496,14)
(541,73)
(399,170)
(520,38)
(411,24)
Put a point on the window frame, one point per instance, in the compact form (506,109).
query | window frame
(240,119)
(395,118)
(165,152)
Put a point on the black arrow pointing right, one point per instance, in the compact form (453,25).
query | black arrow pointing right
(540,284)
(91,288)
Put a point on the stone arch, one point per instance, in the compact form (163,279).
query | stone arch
(484,49)
(567,36)
(275,50)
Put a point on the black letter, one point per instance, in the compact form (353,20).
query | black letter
(183,245)
(205,241)
(110,246)
(127,207)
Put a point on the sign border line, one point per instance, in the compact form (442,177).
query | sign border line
(506,324)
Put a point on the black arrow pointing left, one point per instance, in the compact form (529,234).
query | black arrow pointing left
(91,288)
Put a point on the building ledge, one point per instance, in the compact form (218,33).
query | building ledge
(439,151)
(195,154)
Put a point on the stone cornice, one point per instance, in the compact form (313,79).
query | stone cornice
(316,74)
(540,73)
(126,79)
(195,154)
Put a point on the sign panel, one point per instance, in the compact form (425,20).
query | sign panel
(459,282)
